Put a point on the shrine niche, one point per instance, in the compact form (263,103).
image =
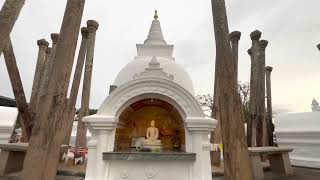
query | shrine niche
(151,124)
(135,120)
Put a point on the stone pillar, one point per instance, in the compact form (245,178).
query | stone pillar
(55,38)
(8,16)
(47,66)
(261,118)
(270,126)
(48,124)
(17,87)
(71,110)
(234,38)
(251,124)
(85,102)
(43,46)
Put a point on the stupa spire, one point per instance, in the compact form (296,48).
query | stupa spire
(155,36)
(156,14)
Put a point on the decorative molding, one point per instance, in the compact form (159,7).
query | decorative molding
(150,172)
(165,87)
(201,124)
(154,70)
(124,174)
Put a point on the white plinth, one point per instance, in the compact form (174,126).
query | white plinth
(153,147)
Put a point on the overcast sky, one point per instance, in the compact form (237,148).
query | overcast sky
(292,28)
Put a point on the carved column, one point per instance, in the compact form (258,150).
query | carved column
(47,66)
(270,126)
(251,124)
(261,120)
(85,101)
(43,46)
(71,110)
(234,38)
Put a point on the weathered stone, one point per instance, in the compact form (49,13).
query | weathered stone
(71,110)
(43,46)
(260,96)
(270,126)
(92,27)
(49,127)
(234,38)
(18,91)
(251,124)
(8,16)
(236,157)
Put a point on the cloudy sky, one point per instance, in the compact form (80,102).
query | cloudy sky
(292,28)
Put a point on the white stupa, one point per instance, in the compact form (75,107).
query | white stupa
(152,77)
(300,131)
(315,105)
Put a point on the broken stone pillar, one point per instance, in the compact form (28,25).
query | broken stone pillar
(270,125)
(43,46)
(234,38)
(261,111)
(71,110)
(85,101)
(251,124)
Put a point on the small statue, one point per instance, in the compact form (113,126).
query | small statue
(152,135)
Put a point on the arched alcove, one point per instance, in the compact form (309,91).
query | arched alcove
(135,119)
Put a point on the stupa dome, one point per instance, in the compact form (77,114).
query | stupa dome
(180,76)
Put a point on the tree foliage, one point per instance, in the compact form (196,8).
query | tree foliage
(206,100)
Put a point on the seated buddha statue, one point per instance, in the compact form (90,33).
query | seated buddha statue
(152,135)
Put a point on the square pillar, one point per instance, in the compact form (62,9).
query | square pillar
(198,142)
(102,129)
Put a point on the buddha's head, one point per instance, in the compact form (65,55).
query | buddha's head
(152,123)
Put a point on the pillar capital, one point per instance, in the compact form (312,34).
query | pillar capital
(42,43)
(55,37)
(255,35)
(268,68)
(84,32)
(263,44)
(249,51)
(318,46)
(235,36)
(92,25)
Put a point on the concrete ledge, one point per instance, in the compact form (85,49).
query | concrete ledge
(149,156)
(14,147)
(269,150)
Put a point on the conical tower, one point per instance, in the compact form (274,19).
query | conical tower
(155,36)
(155,45)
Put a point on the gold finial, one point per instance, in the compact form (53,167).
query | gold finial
(156,14)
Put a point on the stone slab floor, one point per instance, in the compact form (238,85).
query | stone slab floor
(299,174)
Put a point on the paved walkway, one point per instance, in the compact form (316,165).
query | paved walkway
(299,174)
